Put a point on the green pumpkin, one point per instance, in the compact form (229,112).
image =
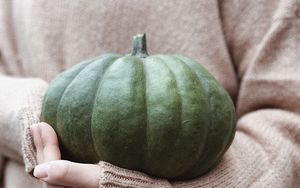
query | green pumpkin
(164,115)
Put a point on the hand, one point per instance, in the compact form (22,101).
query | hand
(54,171)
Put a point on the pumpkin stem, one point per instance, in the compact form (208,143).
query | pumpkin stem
(139,46)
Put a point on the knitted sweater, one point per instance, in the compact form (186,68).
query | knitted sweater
(251,47)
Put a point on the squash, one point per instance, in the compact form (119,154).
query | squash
(164,115)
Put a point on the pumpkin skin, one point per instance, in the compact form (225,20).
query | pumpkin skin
(164,115)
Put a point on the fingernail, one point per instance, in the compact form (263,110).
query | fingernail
(41,171)
(33,126)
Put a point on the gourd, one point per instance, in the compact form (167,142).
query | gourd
(164,115)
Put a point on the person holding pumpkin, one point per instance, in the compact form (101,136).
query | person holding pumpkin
(252,49)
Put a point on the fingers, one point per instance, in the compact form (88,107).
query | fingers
(46,143)
(68,173)
(54,171)
(37,140)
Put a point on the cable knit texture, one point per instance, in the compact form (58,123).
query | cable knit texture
(251,47)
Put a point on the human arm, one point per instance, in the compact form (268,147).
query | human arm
(16,96)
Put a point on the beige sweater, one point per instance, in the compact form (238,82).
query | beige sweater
(251,47)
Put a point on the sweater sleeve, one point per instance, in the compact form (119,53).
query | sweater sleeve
(20,102)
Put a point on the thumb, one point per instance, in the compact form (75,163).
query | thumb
(61,172)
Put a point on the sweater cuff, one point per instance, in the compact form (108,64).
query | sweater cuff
(28,116)
(29,151)
(113,176)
